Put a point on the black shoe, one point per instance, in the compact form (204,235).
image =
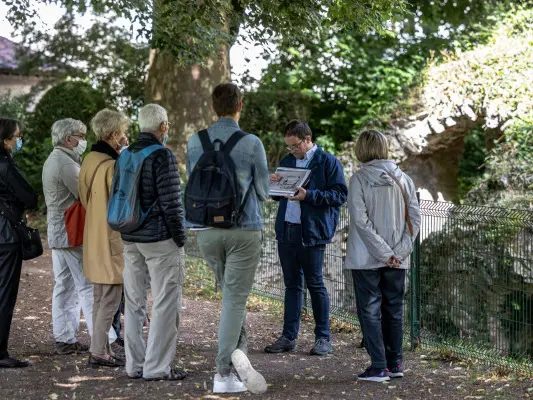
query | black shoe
(70,348)
(374,375)
(174,375)
(281,345)
(322,347)
(10,362)
(112,362)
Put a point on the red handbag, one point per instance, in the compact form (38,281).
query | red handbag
(75,216)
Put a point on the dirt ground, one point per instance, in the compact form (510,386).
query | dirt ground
(290,376)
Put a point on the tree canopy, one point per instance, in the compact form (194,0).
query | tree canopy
(194,30)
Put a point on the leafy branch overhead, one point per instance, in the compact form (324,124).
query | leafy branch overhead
(193,30)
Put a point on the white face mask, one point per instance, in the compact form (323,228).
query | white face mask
(81,147)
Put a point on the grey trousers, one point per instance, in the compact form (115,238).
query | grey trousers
(106,303)
(233,256)
(163,264)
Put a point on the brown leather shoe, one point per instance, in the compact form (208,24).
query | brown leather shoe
(113,362)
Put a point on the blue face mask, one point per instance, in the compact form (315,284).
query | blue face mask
(19,146)
(165,140)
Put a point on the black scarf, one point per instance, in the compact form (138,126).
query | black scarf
(104,147)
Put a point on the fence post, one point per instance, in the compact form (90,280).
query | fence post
(414,290)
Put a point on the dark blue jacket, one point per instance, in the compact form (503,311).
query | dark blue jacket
(326,192)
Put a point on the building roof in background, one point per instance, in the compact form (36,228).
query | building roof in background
(8,54)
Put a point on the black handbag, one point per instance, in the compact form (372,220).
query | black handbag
(30,239)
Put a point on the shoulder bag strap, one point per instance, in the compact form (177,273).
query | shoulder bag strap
(407,218)
(94,176)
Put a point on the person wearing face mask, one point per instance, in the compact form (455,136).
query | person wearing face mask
(103,260)
(60,187)
(16,195)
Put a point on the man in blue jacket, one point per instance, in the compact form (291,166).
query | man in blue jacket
(304,225)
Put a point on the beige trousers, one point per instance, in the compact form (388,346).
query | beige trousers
(106,303)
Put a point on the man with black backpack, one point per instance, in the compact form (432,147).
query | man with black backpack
(228,180)
(145,207)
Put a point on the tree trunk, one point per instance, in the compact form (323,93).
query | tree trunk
(185,92)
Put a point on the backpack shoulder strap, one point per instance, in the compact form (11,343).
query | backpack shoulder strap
(204,139)
(233,140)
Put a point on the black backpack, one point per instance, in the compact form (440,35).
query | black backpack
(213,194)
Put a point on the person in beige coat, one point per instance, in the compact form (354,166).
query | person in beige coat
(103,260)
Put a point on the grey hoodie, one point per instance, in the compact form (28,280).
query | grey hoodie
(378,229)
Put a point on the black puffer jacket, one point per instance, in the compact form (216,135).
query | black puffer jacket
(160,180)
(16,195)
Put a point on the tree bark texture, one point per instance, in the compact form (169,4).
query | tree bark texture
(185,92)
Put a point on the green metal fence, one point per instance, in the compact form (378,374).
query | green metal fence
(469,289)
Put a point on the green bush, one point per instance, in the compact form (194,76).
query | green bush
(69,99)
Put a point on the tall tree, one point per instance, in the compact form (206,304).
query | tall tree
(191,39)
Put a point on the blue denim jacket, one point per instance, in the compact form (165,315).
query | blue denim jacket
(326,193)
(250,161)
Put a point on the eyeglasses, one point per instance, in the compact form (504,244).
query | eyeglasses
(294,147)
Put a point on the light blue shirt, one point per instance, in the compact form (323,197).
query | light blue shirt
(294,212)
(251,167)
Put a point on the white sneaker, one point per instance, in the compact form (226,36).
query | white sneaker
(228,384)
(252,379)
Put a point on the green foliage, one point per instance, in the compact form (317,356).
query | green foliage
(193,31)
(13,106)
(266,113)
(508,179)
(103,55)
(70,99)
(471,165)
(358,79)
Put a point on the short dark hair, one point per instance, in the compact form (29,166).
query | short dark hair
(8,127)
(226,99)
(297,128)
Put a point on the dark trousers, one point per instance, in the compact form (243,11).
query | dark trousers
(379,298)
(298,263)
(10,267)
(117,323)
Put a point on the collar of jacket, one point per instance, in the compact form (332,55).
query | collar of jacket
(147,136)
(229,122)
(317,158)
(70,153)
(104,147)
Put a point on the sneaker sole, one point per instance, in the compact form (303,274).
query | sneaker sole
(252,379)
(316,353)
(395,375)
(374,379)
(280,351)
(235,390)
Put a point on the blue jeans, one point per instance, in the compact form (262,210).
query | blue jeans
(379,298)
(299,262)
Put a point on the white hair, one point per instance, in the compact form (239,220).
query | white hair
(108,122)
(67,127)
(151,116)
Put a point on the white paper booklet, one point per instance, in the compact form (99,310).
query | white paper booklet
(291,178)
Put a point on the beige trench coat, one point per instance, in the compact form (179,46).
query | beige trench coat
(103,260)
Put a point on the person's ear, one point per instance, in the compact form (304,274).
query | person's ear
(239,108)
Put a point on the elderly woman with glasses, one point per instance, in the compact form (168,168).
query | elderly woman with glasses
(60,187)
(103,260)
(16,195)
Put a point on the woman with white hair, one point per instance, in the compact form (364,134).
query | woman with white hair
(103,260)
(60,187)
(384,221)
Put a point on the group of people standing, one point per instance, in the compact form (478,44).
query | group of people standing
(384,222)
